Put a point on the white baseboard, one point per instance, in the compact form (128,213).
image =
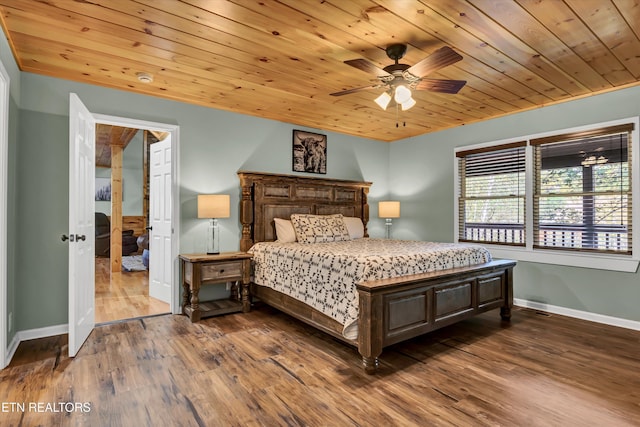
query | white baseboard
(49,331)
(32,334)
(584,315)
(11,349)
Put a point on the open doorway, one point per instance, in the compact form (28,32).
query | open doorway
(163,268)
(122,206)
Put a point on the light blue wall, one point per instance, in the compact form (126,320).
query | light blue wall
(213,146)
(422,174)
(42,217)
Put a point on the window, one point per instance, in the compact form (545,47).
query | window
(491,198)
(563,198)
(582,195)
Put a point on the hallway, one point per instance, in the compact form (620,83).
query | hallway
(124,295)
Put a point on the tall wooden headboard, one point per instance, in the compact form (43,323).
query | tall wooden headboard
(267,196)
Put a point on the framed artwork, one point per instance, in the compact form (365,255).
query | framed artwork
(309,152)
(103,189)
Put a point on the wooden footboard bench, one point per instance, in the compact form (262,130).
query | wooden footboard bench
(394,310)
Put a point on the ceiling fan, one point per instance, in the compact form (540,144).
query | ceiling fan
(398,79)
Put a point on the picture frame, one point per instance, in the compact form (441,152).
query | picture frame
(103,189)
(309,152)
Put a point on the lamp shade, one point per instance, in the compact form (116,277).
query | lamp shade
(402,94)
(408,104)
(214,206)
(389,209)
(383,100)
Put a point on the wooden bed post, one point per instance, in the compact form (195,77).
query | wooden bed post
(246,214)
(370,329)
(365,209)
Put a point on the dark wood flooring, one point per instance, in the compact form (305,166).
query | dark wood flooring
(265,369)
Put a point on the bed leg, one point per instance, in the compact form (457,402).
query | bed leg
(370,364)
(505,310)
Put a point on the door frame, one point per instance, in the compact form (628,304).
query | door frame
(4,179)
(174,130)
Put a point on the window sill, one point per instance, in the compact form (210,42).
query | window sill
(600,261)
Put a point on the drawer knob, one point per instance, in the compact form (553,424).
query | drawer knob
(222,270)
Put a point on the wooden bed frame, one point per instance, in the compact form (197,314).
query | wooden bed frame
(391,310)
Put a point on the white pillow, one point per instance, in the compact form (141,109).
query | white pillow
(319,228)
(284,231)
(354,226)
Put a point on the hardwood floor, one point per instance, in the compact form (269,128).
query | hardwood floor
(264,368)
(124,295)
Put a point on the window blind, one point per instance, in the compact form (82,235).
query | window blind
(582,191)
(491,199)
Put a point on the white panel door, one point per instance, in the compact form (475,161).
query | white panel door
(160,208)
(81,223)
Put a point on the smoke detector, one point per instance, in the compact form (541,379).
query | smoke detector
(145,77)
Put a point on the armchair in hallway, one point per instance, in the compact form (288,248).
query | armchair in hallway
(103,237)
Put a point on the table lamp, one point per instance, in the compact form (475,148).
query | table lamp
(213,206)
(388,210)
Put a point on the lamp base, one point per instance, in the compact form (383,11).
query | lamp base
(213,238)
(387,224)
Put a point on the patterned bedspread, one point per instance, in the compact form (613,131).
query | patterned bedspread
(324,275)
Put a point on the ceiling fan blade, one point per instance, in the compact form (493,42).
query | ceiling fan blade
(366,66)
(438,59)
(355,89)
(444,86)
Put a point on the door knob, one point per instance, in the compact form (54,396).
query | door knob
(149,228)
(64,237)
(79,237)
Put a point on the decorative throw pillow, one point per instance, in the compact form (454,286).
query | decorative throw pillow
(355,227)
(319,228)
(284,231)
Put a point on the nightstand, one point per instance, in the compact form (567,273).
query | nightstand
(202,269)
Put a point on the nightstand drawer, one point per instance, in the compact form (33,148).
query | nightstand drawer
(222,271)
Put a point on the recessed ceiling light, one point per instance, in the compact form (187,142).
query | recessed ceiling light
(145,77)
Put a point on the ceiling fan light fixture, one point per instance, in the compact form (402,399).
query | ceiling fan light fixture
(402,94)
(383,100)
(398,79)
(408,104)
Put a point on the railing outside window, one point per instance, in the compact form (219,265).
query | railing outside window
(605,238)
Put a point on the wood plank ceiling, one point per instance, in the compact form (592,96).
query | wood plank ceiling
(281,59)
(106,136)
